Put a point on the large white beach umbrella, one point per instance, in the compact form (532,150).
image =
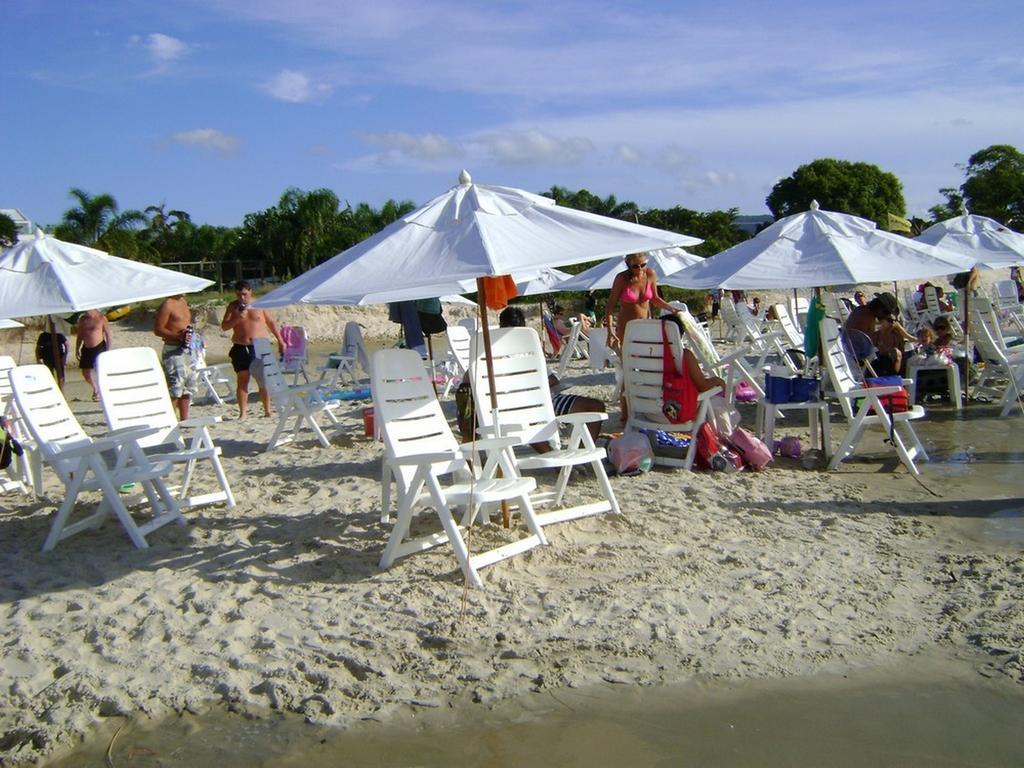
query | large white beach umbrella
(817,248)
(992,244)
(47,276)
(600,277)
(470,231)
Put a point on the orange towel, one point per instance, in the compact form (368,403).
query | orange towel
(497,291)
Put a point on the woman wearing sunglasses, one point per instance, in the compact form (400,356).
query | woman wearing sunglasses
(633,292)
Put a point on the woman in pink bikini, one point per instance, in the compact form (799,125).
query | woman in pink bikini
(633,292)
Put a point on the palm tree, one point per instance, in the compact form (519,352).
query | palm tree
(95,217)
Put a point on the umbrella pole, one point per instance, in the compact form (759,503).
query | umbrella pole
(430,359)
(485,331)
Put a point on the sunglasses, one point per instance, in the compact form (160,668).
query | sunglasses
(638,266)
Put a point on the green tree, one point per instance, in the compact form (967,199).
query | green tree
(995,184)
(97,221)
(861,189)
(954,205)
(584,200)
(8,231)
(717,228)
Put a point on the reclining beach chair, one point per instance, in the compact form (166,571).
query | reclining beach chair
(133,393)
(216,382)
(573,348)
(25,472)
(420,449)
(296,353)
(554,337)
(765,344)
(732,368)
(643,362)
(734,328)
(525,410)
(1003,374)
(456,362)
(341,365)
(80,464)
(869,412)
(304,403)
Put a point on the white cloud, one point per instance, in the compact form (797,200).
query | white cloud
(164,48)
(209,139)
(533,147)
(289,85)
(628,154)
(425,147)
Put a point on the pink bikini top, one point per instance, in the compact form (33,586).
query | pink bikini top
(631,296)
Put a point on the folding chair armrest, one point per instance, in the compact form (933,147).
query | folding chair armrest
(581,418)
(200,421)
(867,391)
(707,395)
(490,444)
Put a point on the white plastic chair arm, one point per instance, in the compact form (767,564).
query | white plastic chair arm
(866,391)
(127,434)
(200,421)
(490,444)
(732,357)
(707,395)
(581,418)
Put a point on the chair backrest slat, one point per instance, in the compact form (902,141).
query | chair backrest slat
(133,393)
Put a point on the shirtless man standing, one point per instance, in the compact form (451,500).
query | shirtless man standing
(246,324)
(173,324)
(93,337)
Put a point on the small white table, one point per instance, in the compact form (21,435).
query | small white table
(817,413)
(918,363)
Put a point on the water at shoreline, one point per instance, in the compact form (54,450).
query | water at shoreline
(926,713)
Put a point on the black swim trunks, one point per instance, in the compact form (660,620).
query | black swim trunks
(89,354)
(242,356)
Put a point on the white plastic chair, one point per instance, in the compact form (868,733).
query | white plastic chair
(213,378)
(456,363)
(420,449)
(869,413)
(25,472)
(133,393)
(79,462)
(643,363)
(342,364)
(572,349)
(1003,374)
(296,353)
(525,410)
(732,368)
(304,403)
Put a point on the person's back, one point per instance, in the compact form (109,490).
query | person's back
(44,353)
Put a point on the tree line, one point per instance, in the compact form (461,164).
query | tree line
(307,227)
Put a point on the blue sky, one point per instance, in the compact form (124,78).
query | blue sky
(216,106)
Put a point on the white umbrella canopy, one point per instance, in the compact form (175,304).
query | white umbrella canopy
(819,248)
(46,276)
(985,239)
(5,324)
(600,277)
(545,281)
(470,231)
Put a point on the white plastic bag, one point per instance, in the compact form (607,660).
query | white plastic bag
(630,453)
(724,416)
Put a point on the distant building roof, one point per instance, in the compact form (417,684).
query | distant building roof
(751,223)
(24,225)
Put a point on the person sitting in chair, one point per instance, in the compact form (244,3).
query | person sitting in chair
(563,328)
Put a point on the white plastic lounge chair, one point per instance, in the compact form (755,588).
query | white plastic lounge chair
(25,472)
(791,335)
(303,404)
(216,382)
(1003,374)
(798,306)
(834,306)
(79,462)
(525,410)
(296,353)
(643,359)
(133,393)
(734,328)
(869,413)
(456,363)
(341,366)
(420,449)
(732,368)
(573,348)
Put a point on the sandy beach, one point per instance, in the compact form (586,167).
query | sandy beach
(280,604)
